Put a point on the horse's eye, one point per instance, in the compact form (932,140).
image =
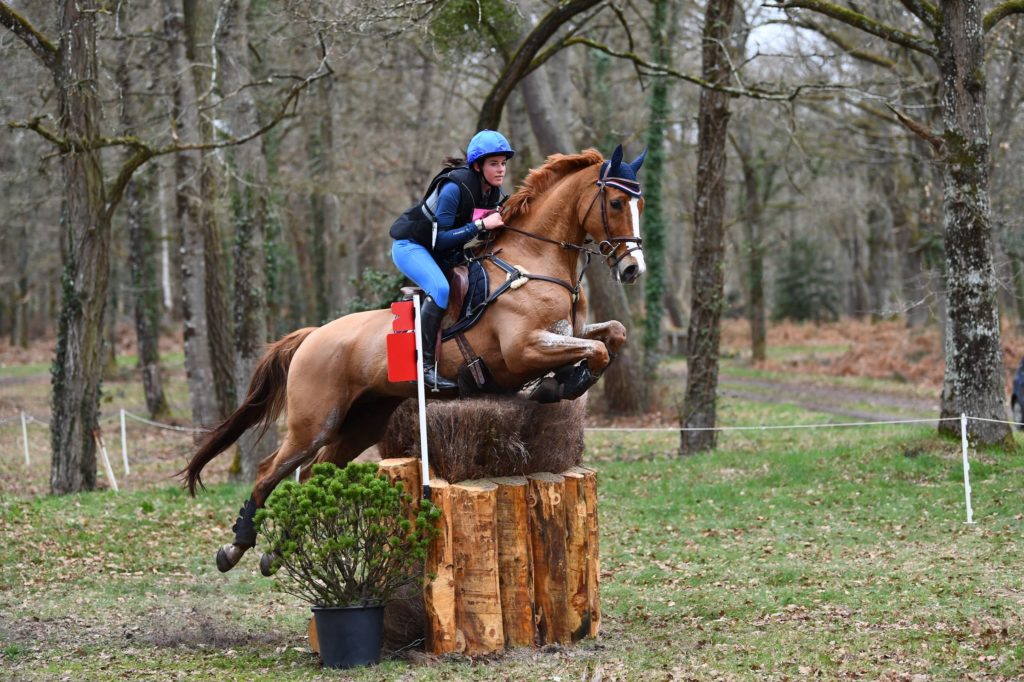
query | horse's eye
(616,204)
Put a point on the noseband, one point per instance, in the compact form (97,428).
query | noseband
(610,244)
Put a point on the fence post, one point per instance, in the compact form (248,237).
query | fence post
(421,400)
(97,436)
(24,439)
(124,444)
(967,467)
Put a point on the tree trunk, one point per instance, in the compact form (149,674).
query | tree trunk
(198,363)
(552,137)
(249,206)
(19,306)
(198,23)
(85,246)
(758,175)
(653,218)
(141,257)
(704,332)
(913,294)
(622,393)
(146,290)
(974,383)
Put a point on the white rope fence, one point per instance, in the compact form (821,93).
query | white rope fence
(124,415)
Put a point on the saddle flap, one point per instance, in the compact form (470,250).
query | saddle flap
(457,293)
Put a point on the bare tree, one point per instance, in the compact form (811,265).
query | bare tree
(973,383)
(248,187)
(704,333)
(91,195)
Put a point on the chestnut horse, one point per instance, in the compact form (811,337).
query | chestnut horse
(334,378)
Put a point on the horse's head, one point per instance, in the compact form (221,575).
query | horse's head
(612,218)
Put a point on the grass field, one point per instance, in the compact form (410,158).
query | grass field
(806,554)
(834,554)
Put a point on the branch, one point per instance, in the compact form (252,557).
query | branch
(144,152)
(863,23)
(40,45)
(519,66)
(35,124)
(846,46)
(754,93)
(925,11)
(919,129)
(1000,12)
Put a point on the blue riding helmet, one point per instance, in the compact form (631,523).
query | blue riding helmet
(488,143)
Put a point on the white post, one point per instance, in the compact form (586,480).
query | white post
(124,443)
(967,467)
(106,460)
(24,439)
(422,400)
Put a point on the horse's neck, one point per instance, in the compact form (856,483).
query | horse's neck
(556,216)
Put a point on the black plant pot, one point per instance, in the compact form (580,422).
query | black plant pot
(349,635)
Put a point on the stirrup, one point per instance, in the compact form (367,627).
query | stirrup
(435,382)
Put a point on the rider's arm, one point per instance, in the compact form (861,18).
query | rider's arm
(449,237)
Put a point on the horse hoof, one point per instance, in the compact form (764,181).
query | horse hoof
(546,392)
(267,564)
(228,556)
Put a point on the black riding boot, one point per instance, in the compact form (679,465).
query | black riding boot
(430,322)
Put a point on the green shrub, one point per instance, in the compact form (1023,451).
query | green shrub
(805,288)
(344,537)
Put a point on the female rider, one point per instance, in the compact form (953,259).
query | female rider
(434,231)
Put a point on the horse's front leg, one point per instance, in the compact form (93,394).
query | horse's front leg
(611,333)
(578,362)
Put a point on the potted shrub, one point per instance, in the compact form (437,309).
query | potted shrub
(344,542)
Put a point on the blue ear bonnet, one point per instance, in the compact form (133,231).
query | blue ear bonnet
(621,175)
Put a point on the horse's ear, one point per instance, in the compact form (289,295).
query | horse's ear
(638,161)
(616,161)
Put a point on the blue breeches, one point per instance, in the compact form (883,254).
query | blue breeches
(416,263)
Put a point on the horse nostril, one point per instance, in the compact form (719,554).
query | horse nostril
(630,273)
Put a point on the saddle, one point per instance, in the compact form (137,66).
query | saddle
(468,287)
(468,298)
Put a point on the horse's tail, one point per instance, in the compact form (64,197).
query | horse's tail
(262,404)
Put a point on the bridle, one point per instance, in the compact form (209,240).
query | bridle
(609,244)
(606,248)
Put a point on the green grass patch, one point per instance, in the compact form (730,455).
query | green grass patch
(784,554)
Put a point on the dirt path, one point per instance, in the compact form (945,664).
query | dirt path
(851,403)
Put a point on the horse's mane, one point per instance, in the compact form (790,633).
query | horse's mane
(541,179)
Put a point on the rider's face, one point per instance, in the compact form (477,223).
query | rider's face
(493,169)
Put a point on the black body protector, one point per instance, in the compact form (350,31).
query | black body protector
(419,223)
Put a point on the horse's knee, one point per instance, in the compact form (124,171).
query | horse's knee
(616,337)
(599,358)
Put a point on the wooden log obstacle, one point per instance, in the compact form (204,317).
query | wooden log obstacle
(516,562)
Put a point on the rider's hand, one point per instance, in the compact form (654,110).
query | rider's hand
(493,221)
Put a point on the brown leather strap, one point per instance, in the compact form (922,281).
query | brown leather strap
(473,362)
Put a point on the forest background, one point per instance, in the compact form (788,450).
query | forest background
(228,171)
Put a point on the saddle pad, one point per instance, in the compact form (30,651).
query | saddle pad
(472,304)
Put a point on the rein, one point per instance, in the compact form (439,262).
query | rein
(605,248)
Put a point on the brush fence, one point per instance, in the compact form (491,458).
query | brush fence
(516,561)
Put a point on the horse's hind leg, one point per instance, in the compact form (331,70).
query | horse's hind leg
(364,426)
(272,470)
